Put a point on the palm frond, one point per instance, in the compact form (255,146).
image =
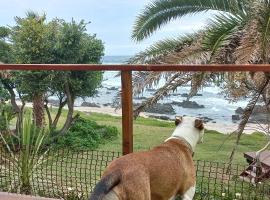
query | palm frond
(144,79)
(160,12)
(178,79)
(249,50)
(193,53)
(156,52)
(263,16)
(220,32)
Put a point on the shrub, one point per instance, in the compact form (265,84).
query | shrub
(6,115)
(86,134)
(23,153)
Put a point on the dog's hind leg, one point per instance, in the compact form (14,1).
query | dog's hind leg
(189,194)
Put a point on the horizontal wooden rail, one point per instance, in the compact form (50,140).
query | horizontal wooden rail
(126,67)
(127,117)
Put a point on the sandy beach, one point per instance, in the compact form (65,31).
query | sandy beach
(224,128)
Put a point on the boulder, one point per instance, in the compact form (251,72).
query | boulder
(87,104)
(235,117)
(239,110)
(113,88)
(186,95)
(159,108)
(53,102)
(188,104)
(150,90)
(259,109)
(140,98)
(160,117)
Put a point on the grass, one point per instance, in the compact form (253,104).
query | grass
(151,132)
(147,134)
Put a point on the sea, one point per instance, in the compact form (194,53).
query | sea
(216,106)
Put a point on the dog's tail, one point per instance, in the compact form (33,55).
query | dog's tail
(105,185)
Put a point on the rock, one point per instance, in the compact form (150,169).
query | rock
(259,109)
(107,104)
(186,95)
(160,117)
(239,110)
(206,119)
(175,94)
(54,102)
(188,104)
(112,88)
(87,104)
(235,117)
(150,90)
(161,109)
(140,98)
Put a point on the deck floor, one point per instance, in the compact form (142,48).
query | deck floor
(8,196)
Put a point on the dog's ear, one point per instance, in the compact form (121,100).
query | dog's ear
(199,124)
(178,120)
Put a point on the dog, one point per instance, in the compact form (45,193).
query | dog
(159,174)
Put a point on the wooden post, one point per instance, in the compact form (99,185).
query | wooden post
(127,112)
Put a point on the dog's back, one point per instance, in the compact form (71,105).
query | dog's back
(155,174)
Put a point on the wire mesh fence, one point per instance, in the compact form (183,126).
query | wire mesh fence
(72,175)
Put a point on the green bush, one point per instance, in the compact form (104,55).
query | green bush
(6,115)
(86,134)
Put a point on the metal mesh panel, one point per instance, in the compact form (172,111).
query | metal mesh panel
(73,175)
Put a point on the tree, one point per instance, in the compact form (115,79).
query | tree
(36,41)
(31,44)
(73,46)
(5,47)
(238,32)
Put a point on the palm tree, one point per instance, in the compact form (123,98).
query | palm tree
(237,33)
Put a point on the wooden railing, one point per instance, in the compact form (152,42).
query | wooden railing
(126,81)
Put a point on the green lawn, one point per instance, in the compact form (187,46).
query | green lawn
(151,132)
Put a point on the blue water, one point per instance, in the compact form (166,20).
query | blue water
(216,106)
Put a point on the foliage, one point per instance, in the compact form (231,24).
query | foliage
(226,39)
(237,33)
(86,134)
(6,115)
(24,153)
(35,41)
(5,46)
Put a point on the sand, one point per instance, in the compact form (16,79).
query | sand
(225,128)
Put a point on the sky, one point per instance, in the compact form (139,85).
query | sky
(111,20)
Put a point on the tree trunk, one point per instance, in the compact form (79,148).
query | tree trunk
(48,113)
(245,117)
(58,114)
(38,109)
(17,109)
(70,103)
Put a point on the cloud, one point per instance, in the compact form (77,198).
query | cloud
(111,20)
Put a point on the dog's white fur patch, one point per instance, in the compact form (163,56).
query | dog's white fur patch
(187,130)
(189,194)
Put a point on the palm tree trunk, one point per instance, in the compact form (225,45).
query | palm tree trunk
(247,113)
(38,109)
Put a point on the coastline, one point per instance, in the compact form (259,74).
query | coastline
(217,126)
(223,128)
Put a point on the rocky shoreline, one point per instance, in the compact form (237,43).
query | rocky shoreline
(167,110)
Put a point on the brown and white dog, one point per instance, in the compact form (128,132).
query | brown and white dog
(159,174)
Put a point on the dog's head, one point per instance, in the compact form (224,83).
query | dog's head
(190,127)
